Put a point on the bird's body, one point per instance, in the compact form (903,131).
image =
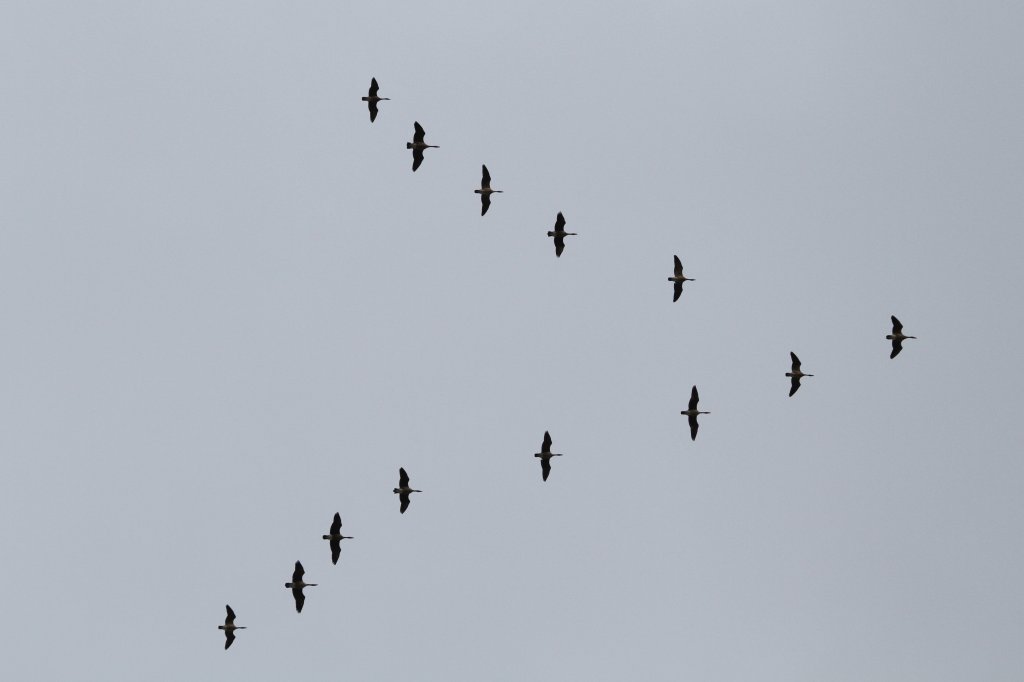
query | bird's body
(691,413)
(297,584)
(897,337)
(678,278)
(229,627)
(418,145)
(485,191)
(545,455)
(336,537)
(560,234)
(403,490)
(371,99)
(795,374)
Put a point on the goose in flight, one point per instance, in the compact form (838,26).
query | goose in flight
(418,145)
(403,489)
(897,337)
(336,537)
(560,234)
(796,374)
(229,627)
(485,192)
(371,99)
(691,412)
(297,584)
(545,455)
(678,278)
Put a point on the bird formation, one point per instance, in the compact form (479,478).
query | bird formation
(418,146)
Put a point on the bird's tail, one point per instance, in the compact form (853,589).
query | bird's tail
(327,537)
(408,145)
(287,584)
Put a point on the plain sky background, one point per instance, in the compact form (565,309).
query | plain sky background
(229,309)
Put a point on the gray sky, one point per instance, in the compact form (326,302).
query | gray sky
(230,310)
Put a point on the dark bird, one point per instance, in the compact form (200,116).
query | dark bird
(796,374)
(297,584)
(229,627)
(418,145)
(897,337)
(485,192)
(678,278)
(372,99)
(336,537)
(691,412)
(403,489)
(560,234)
(545,455)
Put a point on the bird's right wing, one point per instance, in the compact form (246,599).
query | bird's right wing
(679,266)
(417,158)
(485,181)
(229,637)
(418,135)
(678,291)
(485,202)
(693,426)
(546,445)
(404,497)
(545,467)
(403,478)
(335,550)
(693,398)
(794,385)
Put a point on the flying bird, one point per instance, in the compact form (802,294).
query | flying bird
(545,455)
(678,278)
(560,234)
(403,489)
(418,145)
(297,584)
(371,99)
(229,627)
(691,412)
(796,374)
(485,191)
(897,337)
(336,537)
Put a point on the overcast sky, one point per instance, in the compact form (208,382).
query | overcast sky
(229,310)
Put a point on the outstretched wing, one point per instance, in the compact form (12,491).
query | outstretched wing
(298,572)
(335,550)
(403,478)
(559,245)
(336,524)
(693,427)
(417,158)
(418,135)
(485,202)
(897,326)
(300,598)
(796,361)
(485,181)
(559,222)
(678,290)
(794,385)
(679,266)
(229,637)
(545,467)
(693,400)
(231,616)
(546,445)
(372,104)
(897,346)
(404,497)
(373,87)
